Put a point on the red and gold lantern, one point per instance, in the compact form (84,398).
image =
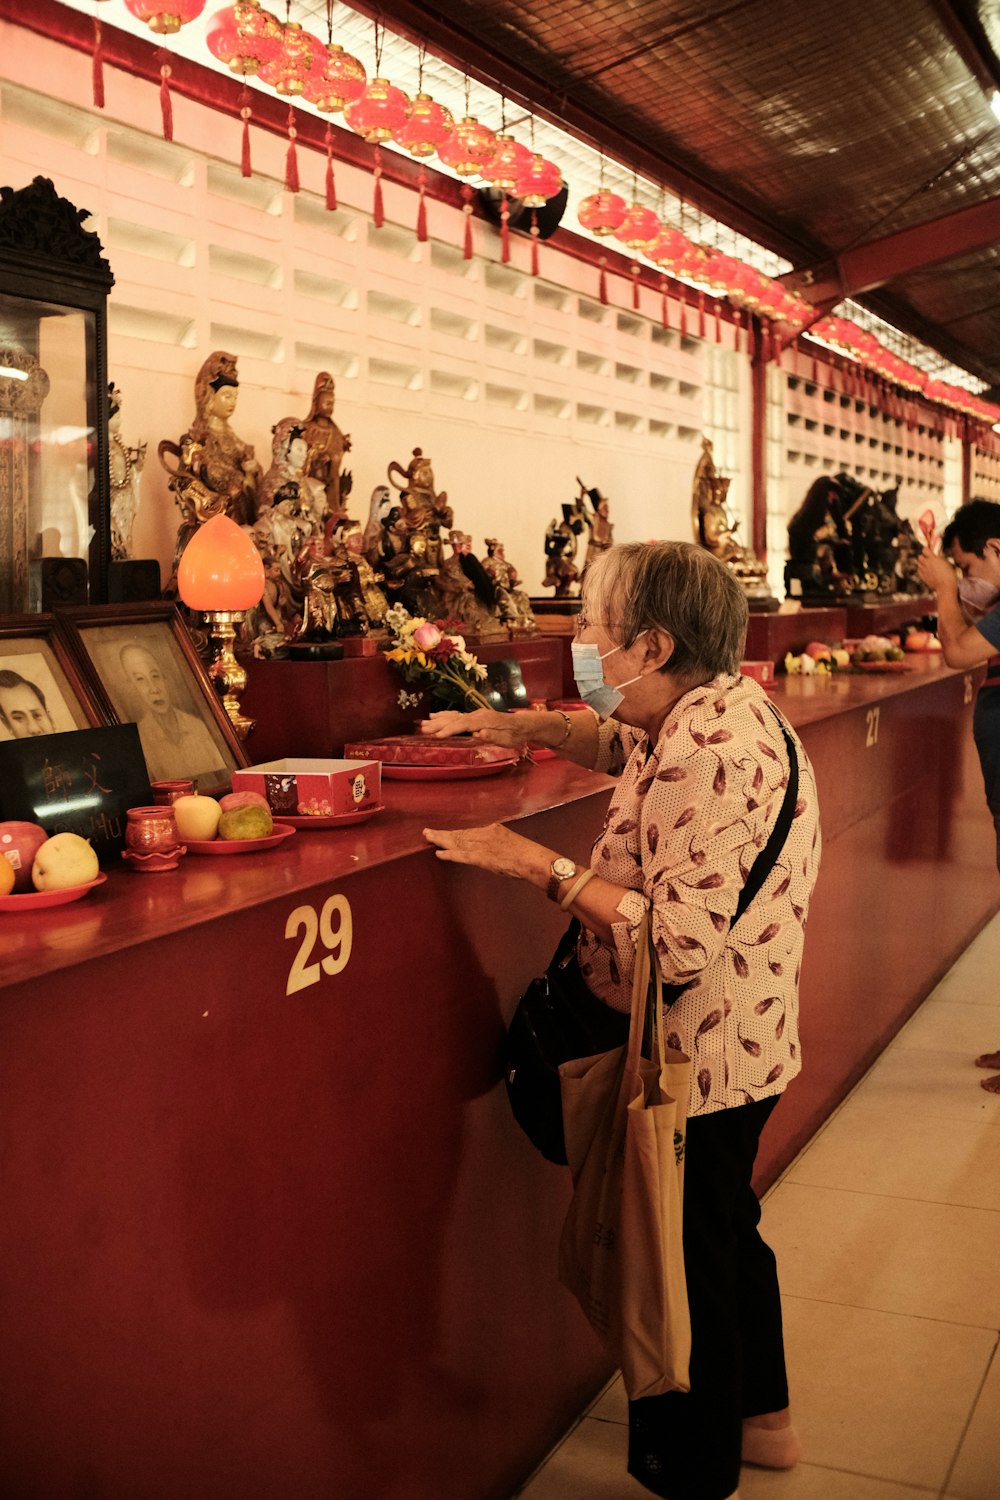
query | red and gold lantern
(339,80)
(468,148)
(298,56)
(506,165)
(602,212)
(378,113)
(639,228)
(243,36)
(426,127)
(540,181)
(165,16)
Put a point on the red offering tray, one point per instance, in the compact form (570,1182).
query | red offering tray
(446,773)
(334,820)
(278,834)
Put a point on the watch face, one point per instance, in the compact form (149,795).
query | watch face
(563,868)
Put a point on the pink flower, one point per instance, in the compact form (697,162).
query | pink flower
(426,636)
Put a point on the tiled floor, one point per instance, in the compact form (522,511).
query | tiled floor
(887,1232)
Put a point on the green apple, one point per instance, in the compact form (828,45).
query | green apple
(64,860)
(197,817)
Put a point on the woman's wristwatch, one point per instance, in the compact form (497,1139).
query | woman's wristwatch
(560,870)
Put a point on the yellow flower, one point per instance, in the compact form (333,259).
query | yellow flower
(396,654)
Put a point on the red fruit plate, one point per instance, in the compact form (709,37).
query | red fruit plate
(882,666)
(278,834)
(397,772)
(35,900)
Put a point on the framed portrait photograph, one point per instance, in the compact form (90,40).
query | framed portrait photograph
(145,670)
(42,690)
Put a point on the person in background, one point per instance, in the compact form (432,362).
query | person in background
(174,743)
(23,710)
(702,763)
(965,578)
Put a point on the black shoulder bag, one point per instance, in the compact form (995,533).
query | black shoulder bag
(558,1017)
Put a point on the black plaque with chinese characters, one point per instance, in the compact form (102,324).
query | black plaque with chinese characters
(83,781)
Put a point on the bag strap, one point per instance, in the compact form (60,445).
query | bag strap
(768,856)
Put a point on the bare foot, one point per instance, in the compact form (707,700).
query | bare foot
(989,1060)
(991,1085)
(771,1441)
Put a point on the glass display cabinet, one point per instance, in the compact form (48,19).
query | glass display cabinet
(54,484)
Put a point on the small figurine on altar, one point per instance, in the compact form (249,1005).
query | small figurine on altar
(714,530)
(421,503)
(327,446)
(376,604)
(465,589)
(561,572)
(216,473)
(125,466)
(287,478)
(333,604)
(276,620)
(513,604)
(813,569)
(602,532)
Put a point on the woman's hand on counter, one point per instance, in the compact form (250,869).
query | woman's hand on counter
(510,730)
(493,847)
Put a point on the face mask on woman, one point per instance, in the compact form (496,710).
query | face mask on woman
(590,683)
(978,593)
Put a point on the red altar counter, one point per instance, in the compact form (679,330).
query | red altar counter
(268,1227)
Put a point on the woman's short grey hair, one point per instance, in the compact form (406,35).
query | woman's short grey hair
(679,588)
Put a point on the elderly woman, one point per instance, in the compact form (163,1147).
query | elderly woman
(702,762)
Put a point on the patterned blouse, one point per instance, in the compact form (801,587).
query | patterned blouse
(686,821)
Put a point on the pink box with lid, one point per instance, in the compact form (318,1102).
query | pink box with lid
(303,787)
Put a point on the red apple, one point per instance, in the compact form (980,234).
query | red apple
(917,640)
(818,650)
(233,800)
(20,842)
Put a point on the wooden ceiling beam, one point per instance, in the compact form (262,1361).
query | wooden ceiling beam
(869,266)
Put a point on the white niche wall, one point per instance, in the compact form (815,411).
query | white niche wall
(513,384)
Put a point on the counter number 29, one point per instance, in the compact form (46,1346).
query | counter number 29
(329,932)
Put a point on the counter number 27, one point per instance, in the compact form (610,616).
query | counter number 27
(330,929)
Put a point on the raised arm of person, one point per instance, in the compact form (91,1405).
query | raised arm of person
(962,645)
(572,735)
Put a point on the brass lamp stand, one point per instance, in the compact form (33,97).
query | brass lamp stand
(228,676)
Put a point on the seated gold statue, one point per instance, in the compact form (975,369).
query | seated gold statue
(716,532)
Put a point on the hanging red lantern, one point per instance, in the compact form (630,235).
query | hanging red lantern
(379,112)
(506,165)
(298,56)
(339,80)
(670,249)
(540,181)
(602,212)
(165,16)
(243,36)
(639,227)
(468,148)
(427,126)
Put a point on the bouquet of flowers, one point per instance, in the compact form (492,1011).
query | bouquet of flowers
(437,661)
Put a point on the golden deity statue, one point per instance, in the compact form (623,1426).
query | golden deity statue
(327,446)
(716,532)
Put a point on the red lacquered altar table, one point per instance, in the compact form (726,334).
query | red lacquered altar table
(268,1228)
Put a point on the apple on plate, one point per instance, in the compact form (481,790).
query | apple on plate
(62,861)
(197,817)
(232,801)
(917,640)
(19,843)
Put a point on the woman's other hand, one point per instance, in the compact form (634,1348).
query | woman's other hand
(492,847)
(510,730)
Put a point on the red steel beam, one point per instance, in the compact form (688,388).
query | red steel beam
(869,266)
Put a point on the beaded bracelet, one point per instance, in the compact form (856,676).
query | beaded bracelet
(576,888)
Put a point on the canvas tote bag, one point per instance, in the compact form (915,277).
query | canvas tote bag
(621,1253)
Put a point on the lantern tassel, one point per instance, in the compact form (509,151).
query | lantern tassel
(504,230)
(534,241)
(467,212)
(602,282)
(684,317)
(378,210)
(664,306)
(635,288)
(701,315)
(331,185)
(245,113)
(166,105)
(751,337)
(718,320)
(422,206)
(98,66)
(737,325)
(292,156)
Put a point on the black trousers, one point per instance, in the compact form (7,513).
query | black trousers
(687,1446)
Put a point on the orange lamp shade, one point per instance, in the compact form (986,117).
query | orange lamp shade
(220,568)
